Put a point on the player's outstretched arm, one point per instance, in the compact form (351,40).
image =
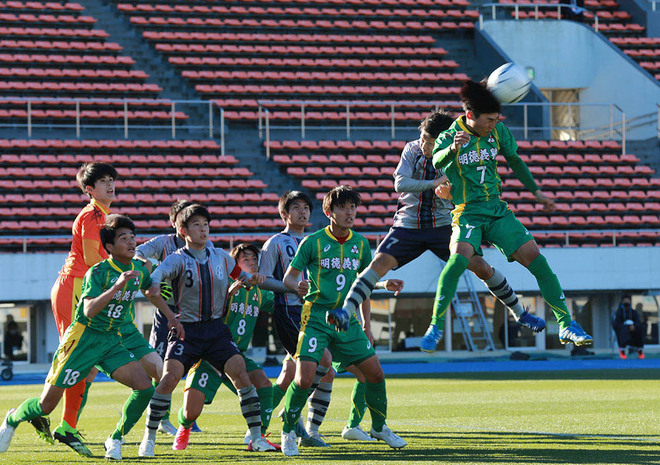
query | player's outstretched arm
(549,205)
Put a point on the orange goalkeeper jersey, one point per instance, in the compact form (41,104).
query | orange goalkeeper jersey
(86,240)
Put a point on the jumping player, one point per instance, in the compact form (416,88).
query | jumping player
(97,181)
(106,305)
(422,222)
(332,258)
(468,152)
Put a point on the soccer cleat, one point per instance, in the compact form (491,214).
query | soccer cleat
(261,445)
(181,439)
(392,440)
(147,447)
(113,448)
(275,446)
(42,425)
(430,339)
(299,428)
(314,439)
(574,333)
(622,354)
(248,438)
(289,446)
(195,428)
(640,354)
(532,322)
(355,434)
(72,438)
(166,427)
(339,318)
(6,432)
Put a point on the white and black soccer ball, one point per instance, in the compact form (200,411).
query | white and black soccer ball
(509,83)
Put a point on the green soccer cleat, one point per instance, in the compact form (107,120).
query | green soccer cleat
(42,425)
(72,438)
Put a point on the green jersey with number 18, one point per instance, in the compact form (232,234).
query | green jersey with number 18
(242,313)
(472,171)
(331,265)
(120,310)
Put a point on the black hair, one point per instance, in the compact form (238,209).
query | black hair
(340,195)
(235,252)
(176,208)
(476,98)
(291,196)
(112,224)
(626,296)
(191,210)
(438,121)
(89,173)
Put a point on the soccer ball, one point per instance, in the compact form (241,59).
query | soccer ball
(509,83)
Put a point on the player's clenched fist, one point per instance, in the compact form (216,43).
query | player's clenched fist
(460,139)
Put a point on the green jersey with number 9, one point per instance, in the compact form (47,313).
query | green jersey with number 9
(242,313)
(121,309)
(472,171)
(331,265)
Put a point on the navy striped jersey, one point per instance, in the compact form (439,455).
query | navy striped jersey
(424,209)
(276,255)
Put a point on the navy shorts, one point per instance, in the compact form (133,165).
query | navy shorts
(160,332)
(407,244)
(210,340)
(287,325)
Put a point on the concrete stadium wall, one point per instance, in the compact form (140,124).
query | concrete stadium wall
(570,55)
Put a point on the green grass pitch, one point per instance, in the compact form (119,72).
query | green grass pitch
(590,417)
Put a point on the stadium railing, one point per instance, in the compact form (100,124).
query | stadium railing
(562,10)
(611,123)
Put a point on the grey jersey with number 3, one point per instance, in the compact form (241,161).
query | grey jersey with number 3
(201,285)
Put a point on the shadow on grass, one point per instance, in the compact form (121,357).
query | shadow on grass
(427,447)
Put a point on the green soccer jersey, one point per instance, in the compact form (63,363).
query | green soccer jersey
(331,266)
(472,171)
(121,309)
(243,311)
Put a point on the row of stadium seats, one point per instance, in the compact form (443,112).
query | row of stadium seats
(605,190)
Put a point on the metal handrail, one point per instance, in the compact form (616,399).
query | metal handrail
(125,103)
(616,126)
(379,234)
(535,6)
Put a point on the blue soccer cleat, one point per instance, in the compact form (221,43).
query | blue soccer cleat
(339,318)
(430,339)
(574,333)
(532,322)
(194,428)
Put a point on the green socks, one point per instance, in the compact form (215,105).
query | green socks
(550,290)
(182,420)
(447,284)
(266,400)
(134,407)
(376,398)
(296,397)
(278,395)
(28,410)
(358,404)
